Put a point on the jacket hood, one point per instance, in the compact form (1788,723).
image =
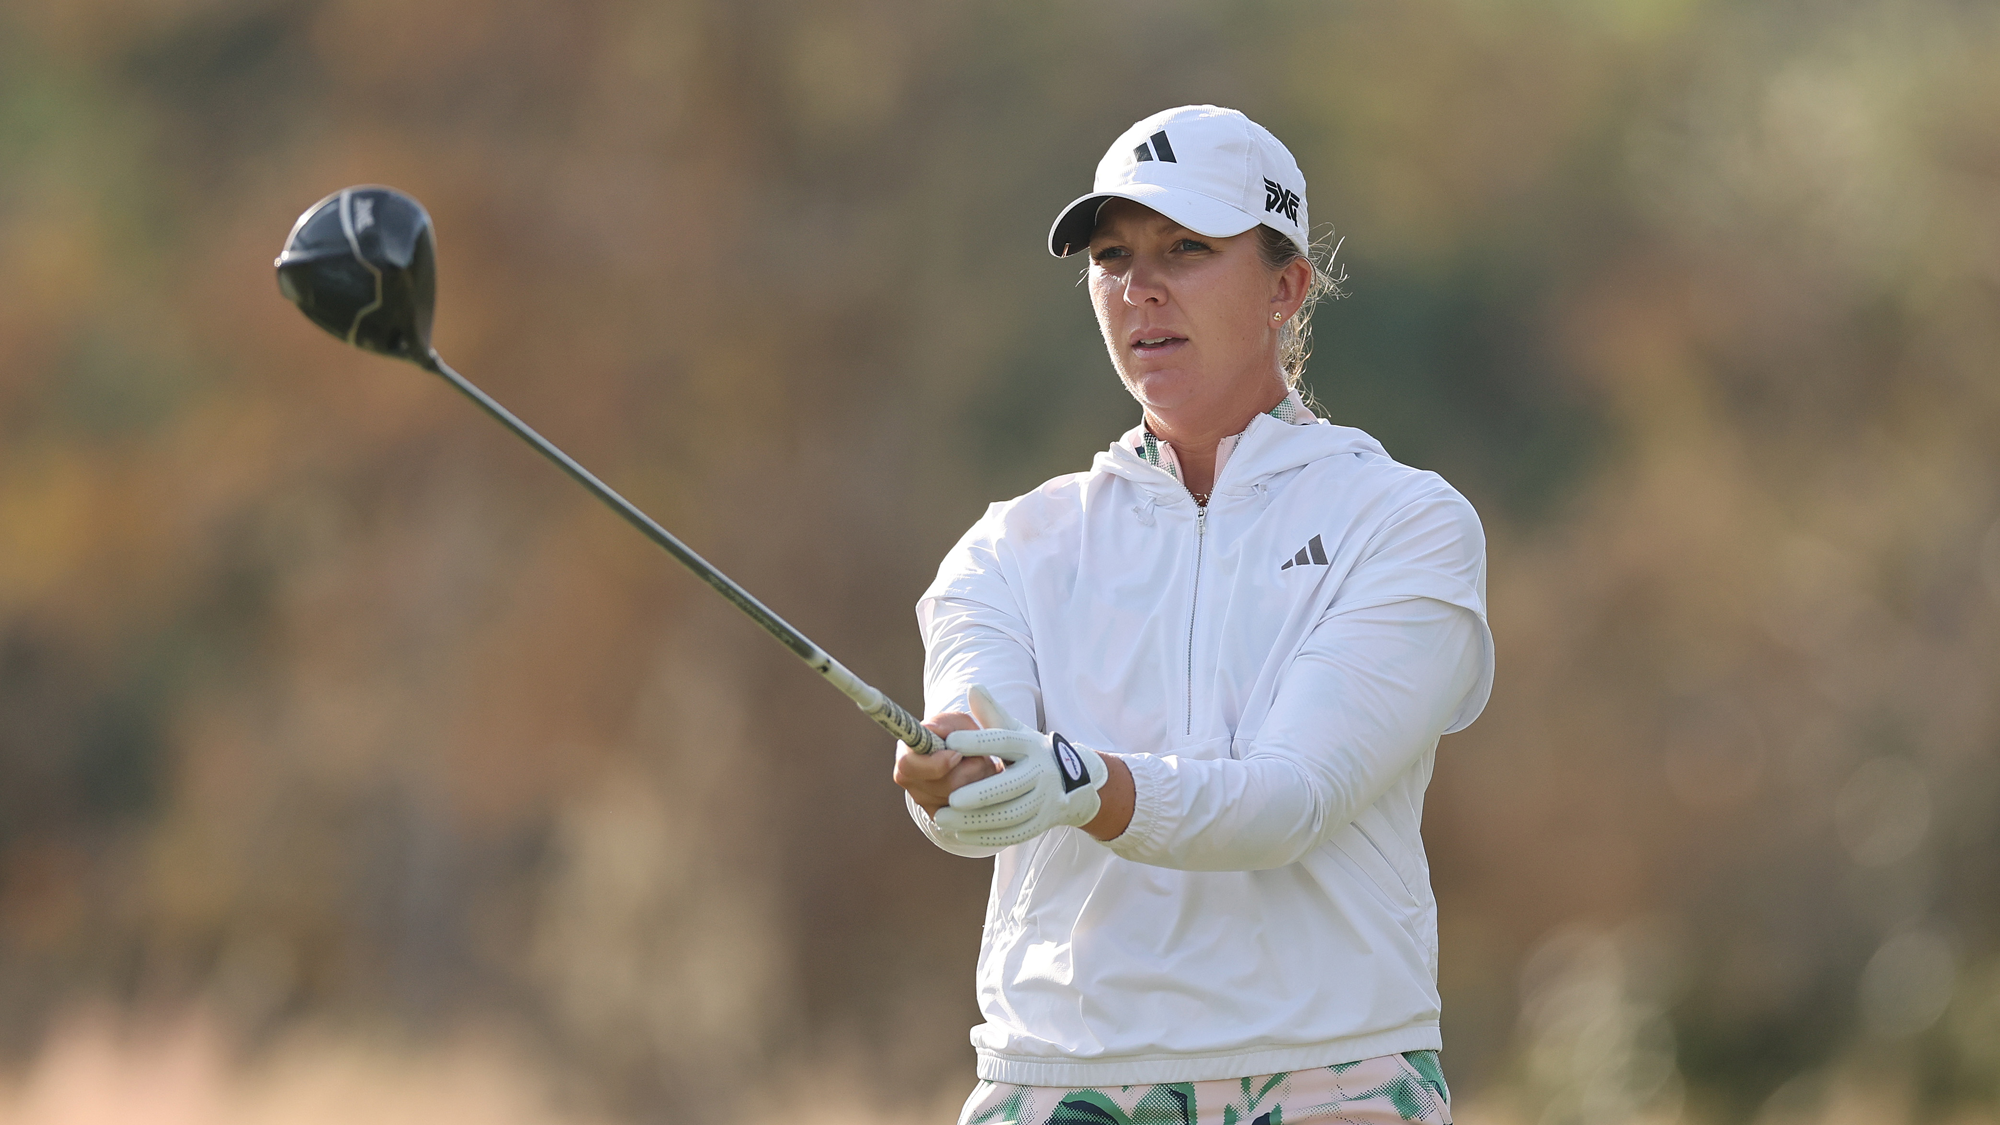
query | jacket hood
(1268,447)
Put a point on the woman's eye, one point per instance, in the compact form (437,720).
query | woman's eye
(1190,244)
(1108,253)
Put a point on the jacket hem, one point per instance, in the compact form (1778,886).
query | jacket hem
(1139,1070)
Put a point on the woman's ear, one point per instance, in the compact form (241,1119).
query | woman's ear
(1293,281)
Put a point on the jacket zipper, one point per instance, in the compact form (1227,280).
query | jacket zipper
(1194,604)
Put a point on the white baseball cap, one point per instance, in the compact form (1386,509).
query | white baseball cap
(1212,170)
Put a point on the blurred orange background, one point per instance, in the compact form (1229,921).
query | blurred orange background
(356,766)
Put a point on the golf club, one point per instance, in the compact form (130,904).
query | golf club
(362,264)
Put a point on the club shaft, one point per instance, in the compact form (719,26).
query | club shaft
(873,703)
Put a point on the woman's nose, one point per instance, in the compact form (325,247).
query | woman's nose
(1143,286)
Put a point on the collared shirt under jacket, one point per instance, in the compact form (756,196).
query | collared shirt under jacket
(1277,667)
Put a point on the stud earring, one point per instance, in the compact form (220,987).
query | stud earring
(1277,316)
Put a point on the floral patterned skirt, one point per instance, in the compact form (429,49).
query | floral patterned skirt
(1386,1090)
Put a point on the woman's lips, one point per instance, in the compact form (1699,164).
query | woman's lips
(1156,343)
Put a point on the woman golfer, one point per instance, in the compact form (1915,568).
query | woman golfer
(1242,630)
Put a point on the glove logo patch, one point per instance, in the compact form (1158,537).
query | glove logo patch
(1069,764)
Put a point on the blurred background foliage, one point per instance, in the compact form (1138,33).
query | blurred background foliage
(354,765)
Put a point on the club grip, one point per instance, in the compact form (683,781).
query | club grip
(892,718)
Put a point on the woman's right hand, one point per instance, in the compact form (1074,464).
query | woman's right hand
(930,778)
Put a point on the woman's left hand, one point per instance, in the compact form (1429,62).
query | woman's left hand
(1048,781)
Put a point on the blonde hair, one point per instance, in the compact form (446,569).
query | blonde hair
(1295,338)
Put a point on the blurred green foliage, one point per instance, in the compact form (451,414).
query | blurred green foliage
(323,704)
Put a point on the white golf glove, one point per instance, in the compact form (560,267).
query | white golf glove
(1049,780)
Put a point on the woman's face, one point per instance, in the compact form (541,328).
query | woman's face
(1191,321)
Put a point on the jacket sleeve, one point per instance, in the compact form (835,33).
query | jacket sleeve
(1366,698)
(1397,660)
(966,643)
(974,633)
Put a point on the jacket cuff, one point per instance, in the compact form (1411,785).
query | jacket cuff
(1155,786)
(936,836)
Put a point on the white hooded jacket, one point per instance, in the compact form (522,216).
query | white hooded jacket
(1277,668)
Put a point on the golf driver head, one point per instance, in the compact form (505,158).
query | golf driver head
(362,264)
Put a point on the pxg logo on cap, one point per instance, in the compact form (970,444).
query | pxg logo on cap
(1212,170)
(1283,200)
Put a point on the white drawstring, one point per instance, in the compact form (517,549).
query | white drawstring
(1145,510)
